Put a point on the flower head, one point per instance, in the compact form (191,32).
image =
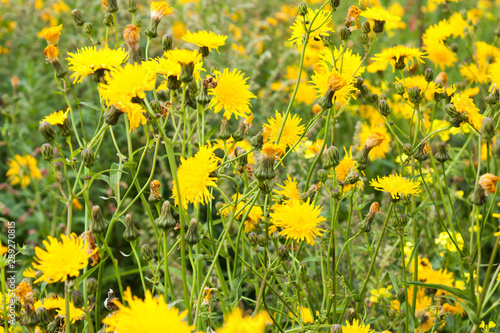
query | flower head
(205,39)
(291,131)
(465,105)
(155,315)
(374,139)
(88,60)
(231,94)
(333,85)
(399,56)
(319,26)
(298,220)
(356,327)
(488,182)
(380,14)
(183,57)
(236,322)
(61,259)
(289,189)
(22,169)
(52,34)
(56,117)
(194,178)
(377,137)
(131,36)
(160,9)
(51,53)
(396,185)
(74,312)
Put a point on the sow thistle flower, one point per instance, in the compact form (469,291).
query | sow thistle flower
(467,110)
(155,315)
(289,189)
(396,185)
(318,28)
(22,169)
(232,94)
(350,62)
(206,41)
(265,168)
(373,140)
(194,177)
(61,259)
(332,85)
(291,131)
(187,59)
(57,117)
(51,53)
(238,322)
(52,34)
(399,57)
(379,15)
(298,220)
(90,60)
(158,11)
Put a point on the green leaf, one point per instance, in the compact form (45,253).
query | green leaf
(236,288)
(394,281)
(413,252)
(114,176)
(454,291)
(212,132)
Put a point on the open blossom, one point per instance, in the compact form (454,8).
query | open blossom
(396,185)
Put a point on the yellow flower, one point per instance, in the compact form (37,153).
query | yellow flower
(164,66)
(194,177)
(3,249)
(464,104)
(160,10)
(231,94)
(380,14)
(51,52)
(312,148)
(244,144)
(419,82)
(236,322)
(486,328)
(183,57)
(56,117)
(252,218)
(345,60)
(291,131)
(319,26)
(298,220)
(440,54)
(289,189)
(345,166)
(445,241)
(396,185)
(61,260)
(74,312)
(22,169)
(381,149)
(50,303)
(52,34)
(340,86)
(488,182)
(29,273)
(154,313)
(356,327)
(376,294)
(205,39)
(305,315)
(89,60)
(399,56)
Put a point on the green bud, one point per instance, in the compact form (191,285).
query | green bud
(132,7)
(91,286)
(87,27)
(372,98)
(108,20)
(366,224)
(334,3)
(359,82)
(47,131)
(365,26)
(492,98)
(344,33)
(98,225)
(311,192)
(423,152)
(414,95)
(302,9)
(322,175)
(131,233)
(47,151)
(112,115)
(283,253)
(336,328)
(364,90)
(262,240)
(241,131)
(147,252)
(265,168)
(451,110)
(364,39)
(187,71)
(478,197)
(362,157)
(242,156)
(192,236)
(429,75)
(400,89)
(42,315)
(204,51)
(165,221)
(203,97)
(442,153)
(56,325)
(65,128)
(352,178)
(166,42)
(77,17)
(401,296)
(327,40)
(88,157)
(257,141)
(77,298)
(378,27)
(488,128)
(330,157)
(112,6)
(138,23)
(383,107)
(30,318)
(252,239)
(225,132)
(326,100)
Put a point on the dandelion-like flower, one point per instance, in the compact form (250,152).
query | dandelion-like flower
(237,322)
(155,316)
(399,57)
(51,53)
(194,177)
(319,26)
(90,60)
(291,131)
(488,182)
(380,16)
(56,117)
(356,327)
(183,57)
(22,169)
(396,185)
(160,9)
(332,85)
(351,62)
(298,220)
(468,110)
(61,259)
(74,312)
(383,147)
(52,34)
(204,39)
(289,189)
(231,94)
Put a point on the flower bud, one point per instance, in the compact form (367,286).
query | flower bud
(359,82)
(414,95)
(372,98)
(330,157)
(47,131)
(344,33)
(47,152)
(138,23)
(166,42)
(366,224)
(378,27)
(56,325)
(88,157)
(242,156)
(108,20)
(112,6)
(192,236)
(131,233)
(311,192)
(407,149)
(154,192)
(365,27)
(77,298)
(203,97)
(401,296)
(351,313)
(492,98)
(302,9)
(336,328)
(147,252)
(442,153)
(487,128)
(423,152)
(165,221)
(91,286)
(257,141)
(262,240)
(65,128)
(242,130)
(252,239)
(112,115)
(451,110)
(429,75)
(98,225)
(334,3)
(265,167)
(77,17)
(42,315)
(364,39)
(352,177)
(283,253)
(30,319)
(87,27)
(364,90)
(322,175)
(383,107)
(224,132)
(132,7)
(400,88)
(478,197)
(327,40)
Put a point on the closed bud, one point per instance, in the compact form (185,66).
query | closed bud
(351,313)
(47,131)
(365,26)
(265,166)
(330,157)
(108,20)
(30,318)
(87,27)
(401,296)
(42,315)
(352,178)
(372,98)
(192,236)
(442,153)
(242,130)
(383,107)
(334,3)
(166,42)
(88,157)
(478,197)
(56,325)
(138,23)
(492,98)
(132,7)
(414,95)
(91,286)
(429,75)
(336,328)
(112,115)
(265,188)
(423,152)
(242,156)
(344,33)
(364,39)
(165,221)
(378,27)
(407,149)
(451,110)
(98,225)
(322,175)
(325,101)
(192,88)
(77,298)
(488,128)
(400,89)
(112,6)
(283,253)
(47,151)
(257,141)
(364,90)
(359,82)
(405,199)
(327,40)
(203,97)
(262,240)
(77,17)
(131,233)
(302,9)
(147,252)
(311,192)
(252,239)
(366,224)
(224,132)
(336,194)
